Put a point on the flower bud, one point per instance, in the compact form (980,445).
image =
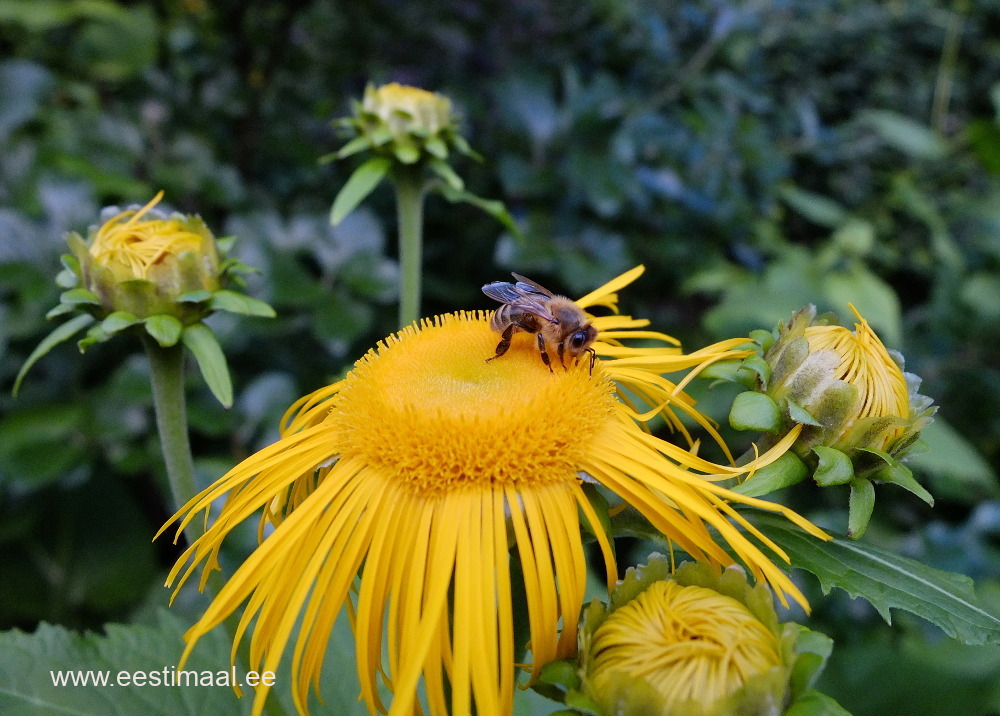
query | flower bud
(696,642)
(860,413)
(141,262)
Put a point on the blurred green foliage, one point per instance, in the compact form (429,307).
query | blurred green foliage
(756,156)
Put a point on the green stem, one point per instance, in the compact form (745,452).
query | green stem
(167,373)
(409,186)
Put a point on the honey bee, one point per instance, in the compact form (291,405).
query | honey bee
(555,320)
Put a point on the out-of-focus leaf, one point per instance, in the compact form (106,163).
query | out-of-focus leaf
(905,134)
(240,303)
(360,184)
(956,470)
(872,296)
(62,333)
(819,209)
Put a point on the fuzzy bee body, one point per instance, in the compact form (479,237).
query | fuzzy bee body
(554,320)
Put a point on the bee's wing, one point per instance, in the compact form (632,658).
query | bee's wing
(528,286)
(520,298)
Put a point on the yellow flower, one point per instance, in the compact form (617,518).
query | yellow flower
(860,359)
(423,467)
(131,245)
(405,109)
(694,642)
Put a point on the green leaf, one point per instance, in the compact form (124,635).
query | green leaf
(764,338)
(240,303)
(33,661)
(444,170)
(406,153)
(815,703)
(200,340)
(784,472)
(77,296)
(834,467)
(755,411)
(118,321)
(65,331)
(955,467)
(165,329)
(818,209)
(885,579)
(757,365)
(800,415)
(860,507)
(60,310)
(358,144)
(906,135)
(360,184)
(199,296)
(493,207)
(435,146)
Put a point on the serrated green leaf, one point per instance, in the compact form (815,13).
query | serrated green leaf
(834,467)
(62,333)
(445,172)
(240,303)
(885,579)
(360,184)
(200,340)
(755,411)
(166,330)
(32,661)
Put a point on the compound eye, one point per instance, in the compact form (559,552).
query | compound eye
(578,339)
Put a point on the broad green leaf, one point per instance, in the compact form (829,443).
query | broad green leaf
(240,303)
(64,332)
(885,579)
(32,663)
(200,340)
(165,329)
(360,184)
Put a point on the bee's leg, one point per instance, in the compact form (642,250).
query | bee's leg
(545,355)
(504,343)
(593,357)
(559,352)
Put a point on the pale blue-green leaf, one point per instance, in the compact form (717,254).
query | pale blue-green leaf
(360,184)
(200,340)
(64,332)
(166,330)
(885,579)
(815,207)
(906,135)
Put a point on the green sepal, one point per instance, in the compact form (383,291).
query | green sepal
(759,368)
(493,207)
(834,467)
(71,263)
(786,471)
(60,310)
(234,302)
(200,340)
(118,321)
(360,184)
(446,173)
(861,506)
(755,411)
(95,334)
(813,649)
(198,296)
(380,136)
(224,244)
(436,147)
(800,415)
(61,333)
(463,146)
(406,153)
(165,330)
(763,338)
(723,370)
(897,473)
(80,296)
(358,144)
(816,703)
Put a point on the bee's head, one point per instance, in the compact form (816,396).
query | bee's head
(581,340)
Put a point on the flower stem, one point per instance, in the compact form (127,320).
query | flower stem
(167,373)
(409,186)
